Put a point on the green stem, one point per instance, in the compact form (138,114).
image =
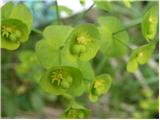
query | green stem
(101,65)
(37,31)
(57,13)
(123,43)
(132,24)
(82,15)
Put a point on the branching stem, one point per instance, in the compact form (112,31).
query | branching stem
(135,23)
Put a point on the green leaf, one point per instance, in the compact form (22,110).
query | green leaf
(140,55)
(22,13)
(56,35)
(49,50)
(112,45)
(6,10)
(104,5)
(86,69)
(83,44)
(47,55)
(75,86)
(37,102)
(149,23)
(9,28)
(100,86)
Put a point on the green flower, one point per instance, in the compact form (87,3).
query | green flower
(16,25)
(100,86)
(150,23)
(83,43)
(13,32)
(140,55)
(61,80)
(76,111)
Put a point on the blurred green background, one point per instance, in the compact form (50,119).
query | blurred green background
(131,95)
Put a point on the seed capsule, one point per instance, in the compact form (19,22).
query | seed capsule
(77,49)
(17,33)
(12,38)
(65,84)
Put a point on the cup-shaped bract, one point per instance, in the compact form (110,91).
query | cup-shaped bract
(15,26)
(140,55)
(76,111)
(13,32)
(61,80)
(150,23)
(83,43)
(100,86)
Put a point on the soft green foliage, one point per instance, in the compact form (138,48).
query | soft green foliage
(150,23)
(112,44)
(16,25)
(140,55)
(74,62)
(100,86)
(62,80)
(29,64)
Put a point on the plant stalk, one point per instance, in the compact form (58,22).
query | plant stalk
(57,13)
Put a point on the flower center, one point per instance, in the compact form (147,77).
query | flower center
(98,83)
(6,31)
(57,77)
(61,79)
(75,113)
(10,33)
(83,39)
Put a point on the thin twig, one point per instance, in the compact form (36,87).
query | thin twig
(57,13)
(37,31)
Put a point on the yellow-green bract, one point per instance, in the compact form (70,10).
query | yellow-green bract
(16,25)
(49,50)
(76,111)
(13,32)
(112,44)
(150,23)
(140,55)
(61,80)
(83,43)
(100,86)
